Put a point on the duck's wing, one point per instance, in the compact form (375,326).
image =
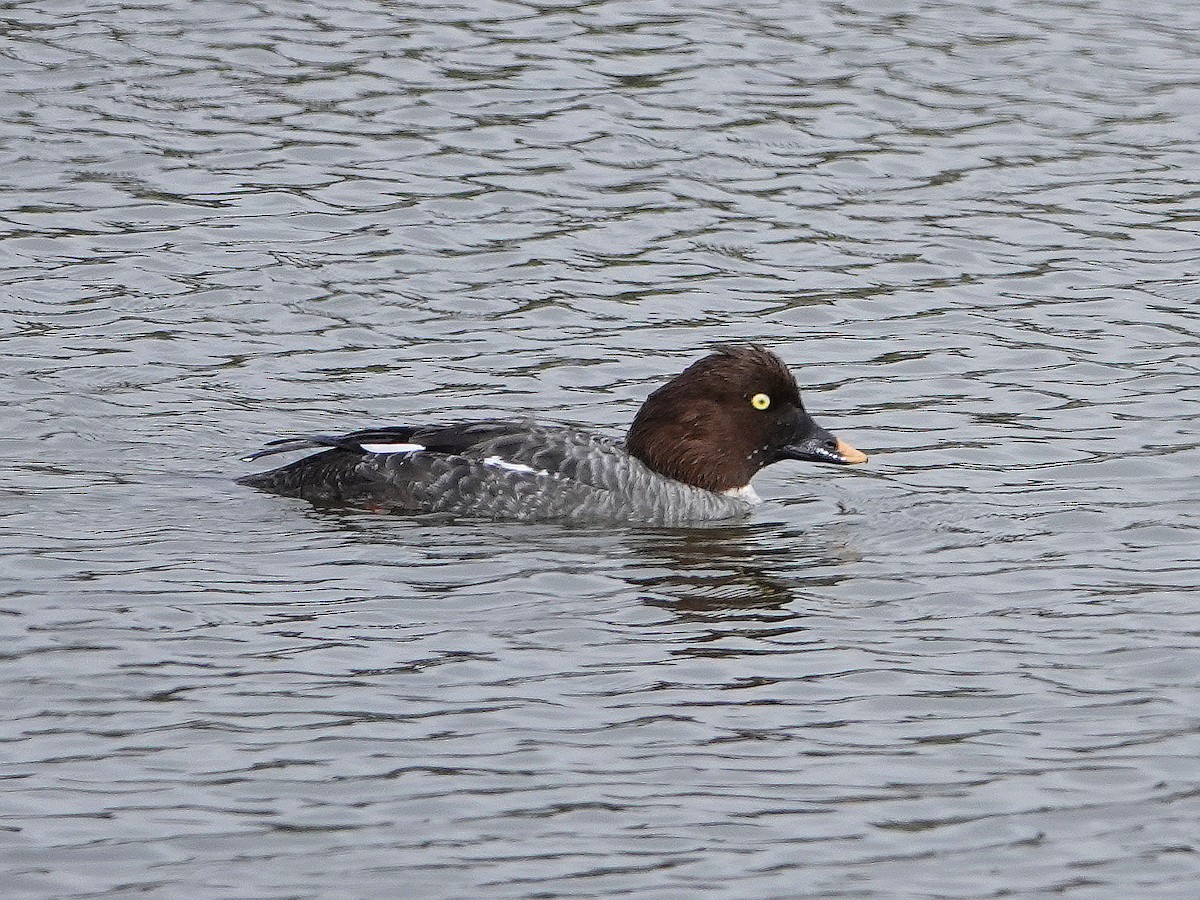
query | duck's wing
(500,469)
(455,438)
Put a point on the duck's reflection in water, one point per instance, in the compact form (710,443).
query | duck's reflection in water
(757,570)
(752,567)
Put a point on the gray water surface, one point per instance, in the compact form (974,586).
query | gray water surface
(968,669)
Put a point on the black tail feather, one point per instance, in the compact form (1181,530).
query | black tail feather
(308,442)
(453,438)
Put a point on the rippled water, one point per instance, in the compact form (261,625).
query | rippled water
(969,669)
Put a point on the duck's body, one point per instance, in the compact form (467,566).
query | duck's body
(519,471)
(689,457)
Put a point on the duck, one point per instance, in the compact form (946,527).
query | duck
(688,457)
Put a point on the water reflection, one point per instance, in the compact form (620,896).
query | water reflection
(704,572)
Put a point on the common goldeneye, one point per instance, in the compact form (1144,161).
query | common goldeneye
(688,458)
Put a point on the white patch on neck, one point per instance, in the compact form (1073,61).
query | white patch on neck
(745,493)
(505,464)
(392,448)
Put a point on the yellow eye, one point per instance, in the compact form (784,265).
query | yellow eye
(760,401)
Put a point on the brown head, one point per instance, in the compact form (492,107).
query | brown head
(725,417)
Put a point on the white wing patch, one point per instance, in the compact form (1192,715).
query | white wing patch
(510,466)
(496,462)
(392,448)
